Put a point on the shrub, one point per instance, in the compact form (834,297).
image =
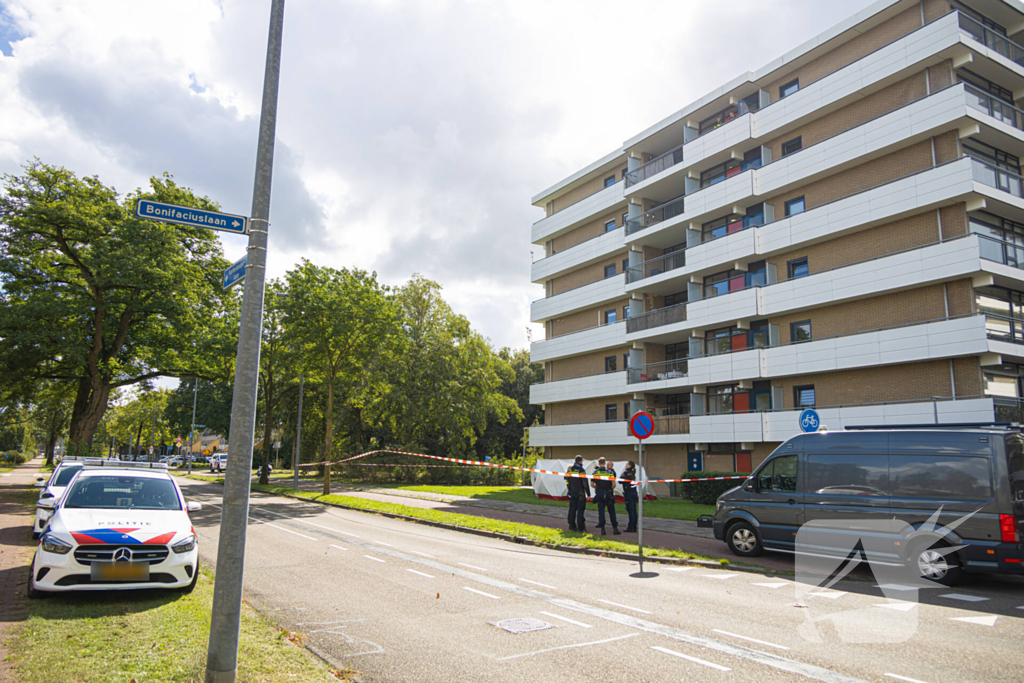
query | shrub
(707,492)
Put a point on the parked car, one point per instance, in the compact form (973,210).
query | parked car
(52,488)
(218,462)
(970,481)
(118,527)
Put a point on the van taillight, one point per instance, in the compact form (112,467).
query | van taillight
(1008,529)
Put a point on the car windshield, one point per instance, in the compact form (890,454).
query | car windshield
(65,475)
(123,492)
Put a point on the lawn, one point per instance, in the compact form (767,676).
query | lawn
(147,636)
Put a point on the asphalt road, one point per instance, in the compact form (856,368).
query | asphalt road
(398,601)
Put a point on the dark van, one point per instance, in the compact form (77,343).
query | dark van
(903,494)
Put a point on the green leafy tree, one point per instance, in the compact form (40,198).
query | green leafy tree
(213,407)
(341,321)
(51,413)
(505,439)
(94,296)
(279,371)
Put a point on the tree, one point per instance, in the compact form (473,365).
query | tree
(341,320)
(92,295)
(505,439)
(445,385)
(51,412)
(278,367)
(213,407)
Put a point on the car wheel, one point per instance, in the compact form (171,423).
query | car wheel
(743,540)
(30,590)
(935,562)
(195,577)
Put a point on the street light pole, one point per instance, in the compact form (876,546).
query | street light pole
(222,654)
(192,433)
(298,436)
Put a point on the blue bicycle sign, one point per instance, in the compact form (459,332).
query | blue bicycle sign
(809,421)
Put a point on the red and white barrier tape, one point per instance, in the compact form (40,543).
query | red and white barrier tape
(480,463)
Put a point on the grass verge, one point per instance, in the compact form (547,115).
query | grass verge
(146,637)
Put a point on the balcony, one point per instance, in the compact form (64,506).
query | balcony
(655,166)
(996,42)
(994,107)
(578,388)
(579,342)
(998,178)
(580,254)
(577,214)
(579,298)
(664,212)
(656,266)
(656,372)
(656,318)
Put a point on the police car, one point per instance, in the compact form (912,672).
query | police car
(52,488)
(118,526)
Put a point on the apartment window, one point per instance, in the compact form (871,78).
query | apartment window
(720,227)
(789,88)
(715,120)
(676,299)
(625,362)
(609,226)
(717,174)
(752,159)
(677,404)
(625,217)
(982,83)
(719,341)
(625,410)
(758,334)
(991,155)
(609,363)
(609,270)
(609,181)
(720,399)
(794,145)
(625,264)
(611,412)
(624,172)
(795,206)
(797,268)
(803,397)
(625,312)
(1004,313)
(609,316)
(800,332)
(754,217)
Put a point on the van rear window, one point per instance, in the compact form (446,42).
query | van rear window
(938,476)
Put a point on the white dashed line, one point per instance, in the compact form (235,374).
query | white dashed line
(420,573)
(382,543)
(339,548)
(827,594)
(679,569)
(537,583)
(566,647)
(895,587)
(306,521)
(965,598)
(571,621)
(416,552)
(980,621)
(721,576)
(901,606)
(772,584)
(488,595)
(904,678)
(281,528)
(375,559)
(695,660)
(635,609)
(479,569)
(752,640)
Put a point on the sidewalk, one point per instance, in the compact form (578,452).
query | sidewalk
(15,551)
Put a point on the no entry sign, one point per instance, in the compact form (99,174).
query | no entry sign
(641,425)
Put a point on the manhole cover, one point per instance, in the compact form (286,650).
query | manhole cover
(522,625)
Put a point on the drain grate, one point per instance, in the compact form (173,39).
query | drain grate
(522,625)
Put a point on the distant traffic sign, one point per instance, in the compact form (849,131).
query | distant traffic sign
(641,425)
(235,273)
(185,215)
(809,421)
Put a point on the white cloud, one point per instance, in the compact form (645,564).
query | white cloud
(411,135)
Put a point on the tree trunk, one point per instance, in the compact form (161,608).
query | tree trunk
(359,430)
(90,406)
(329,437)
(51,442)
(268,423)
(138,438)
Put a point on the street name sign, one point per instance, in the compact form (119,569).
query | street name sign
(235,273)
(186,215)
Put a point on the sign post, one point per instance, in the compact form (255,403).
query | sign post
(234,274)
(642,426)
(186,215)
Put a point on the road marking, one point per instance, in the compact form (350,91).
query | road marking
(566,647)
(965,598)
(828,594)
(420,573)
(305,521)
(773,584)
(753,640)
(895,587)
(901,606)
(571,621)
(719,576)
(479,569)
(416,552)
(473,590)
(980,621)
(903,678)
(637,609)
(679,569)
(691,659)
(260,521)
(537,583)
(383,543)
(375,559)
(340,548)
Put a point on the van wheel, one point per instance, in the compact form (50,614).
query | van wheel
(743,540)
(932,563)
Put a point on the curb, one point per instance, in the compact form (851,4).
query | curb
(526,541)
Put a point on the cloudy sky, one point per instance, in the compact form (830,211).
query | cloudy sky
(411,134)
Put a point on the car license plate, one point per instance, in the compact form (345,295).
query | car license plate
(120,571)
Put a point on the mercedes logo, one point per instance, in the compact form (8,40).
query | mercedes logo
(122,555)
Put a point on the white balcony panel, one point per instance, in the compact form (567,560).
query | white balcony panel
(591,434)
(699,206)
(608,384)
(586,209)
(726,367)
(985,50)
(717,310)
(584,341)
(913,268)
(587,296)
(1007,350)
(582,254)
(721,429)
(740,246)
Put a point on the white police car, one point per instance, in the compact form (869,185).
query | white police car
(53,487)
(117,526)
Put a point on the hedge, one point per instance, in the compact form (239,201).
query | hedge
(707,492)
(15,458)
(446,475)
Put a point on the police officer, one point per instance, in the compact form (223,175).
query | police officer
(579,491)
(629,492)
(604,496)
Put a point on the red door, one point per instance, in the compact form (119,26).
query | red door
(738,342)
(737,283)
(743,462)
(735,226)
(741,404)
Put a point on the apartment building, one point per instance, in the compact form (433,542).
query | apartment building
(842,228)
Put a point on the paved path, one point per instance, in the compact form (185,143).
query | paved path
(15,551)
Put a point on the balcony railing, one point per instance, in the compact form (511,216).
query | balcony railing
(1006,253)
(994,107)
(672,424)
(664,212)
(999,178)
(655,166)
(656,318)
(993,40)
(656,266)
(654,372)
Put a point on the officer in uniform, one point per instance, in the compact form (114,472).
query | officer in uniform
(629,492)
(579,491)
(604,496)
